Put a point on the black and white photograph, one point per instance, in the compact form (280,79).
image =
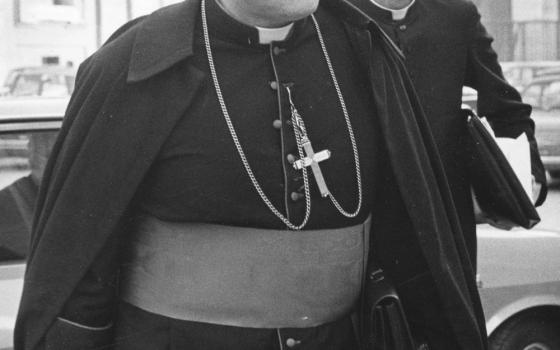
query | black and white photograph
(279,174)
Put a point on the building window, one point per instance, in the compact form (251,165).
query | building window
(50,60)
(38,11)
(64,2)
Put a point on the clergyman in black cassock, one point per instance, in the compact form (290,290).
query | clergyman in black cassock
(186,126)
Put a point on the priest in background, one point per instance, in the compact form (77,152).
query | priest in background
(445,48)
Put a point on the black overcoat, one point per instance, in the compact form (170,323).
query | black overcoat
(128,97)
(446,47)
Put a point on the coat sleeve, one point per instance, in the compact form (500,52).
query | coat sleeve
(69,290)
(97,290)
(497,99)
(85,321)
(74,328)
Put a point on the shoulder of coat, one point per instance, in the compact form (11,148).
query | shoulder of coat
(463,13)
(450,7)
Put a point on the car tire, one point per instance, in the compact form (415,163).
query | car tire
(532,331)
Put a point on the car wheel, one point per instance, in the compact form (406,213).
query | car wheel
(532,331)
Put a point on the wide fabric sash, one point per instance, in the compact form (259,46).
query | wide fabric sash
(244,277)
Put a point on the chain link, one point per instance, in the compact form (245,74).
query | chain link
(348,126)
(241,153)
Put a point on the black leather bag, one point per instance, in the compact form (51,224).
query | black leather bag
(496,187)
(384,324)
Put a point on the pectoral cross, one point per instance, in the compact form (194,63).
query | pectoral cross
(311,158)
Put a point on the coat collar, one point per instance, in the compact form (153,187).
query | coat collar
(164,38)
(385,16)
(355,12)
(347,11)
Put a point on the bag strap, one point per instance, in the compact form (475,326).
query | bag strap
(381,298)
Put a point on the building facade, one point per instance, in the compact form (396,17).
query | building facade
(44,32)
(61,32)
(524,30)
(65,32)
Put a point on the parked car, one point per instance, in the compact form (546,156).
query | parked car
(519,271)
(543,92)
(25,140)
(520,73)
(26,107)
(519,285)
(547,131)
(47,81)
(547,71)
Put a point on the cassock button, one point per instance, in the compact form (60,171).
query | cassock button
(291,158)
(402,27)
(274,85)
(291,342)
(295,196)
(278,50)
(277,124)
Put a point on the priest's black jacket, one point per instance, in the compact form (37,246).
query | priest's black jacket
(128,97)
(445,48)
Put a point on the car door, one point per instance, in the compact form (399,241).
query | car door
(551,95)
(533,95)
(25,144)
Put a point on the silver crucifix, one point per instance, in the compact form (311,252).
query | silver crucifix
(311,158)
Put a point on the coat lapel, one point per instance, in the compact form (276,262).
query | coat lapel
(119,146)
(425,194)
(113,129)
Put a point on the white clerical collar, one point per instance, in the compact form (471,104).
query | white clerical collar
(397,14)
(268,35)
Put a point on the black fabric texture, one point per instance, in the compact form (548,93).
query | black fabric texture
(138,329)
(446,47)
(129,97)
(200,143)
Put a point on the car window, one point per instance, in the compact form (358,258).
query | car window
(27,85)
(10,78)
(45,84)
(553,88)
(70,81)
(512,75)
(532,94)
(23,157)
(527,74)
(53,86)
(534,90)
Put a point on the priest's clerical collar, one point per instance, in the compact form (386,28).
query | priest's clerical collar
(222,25)
(268,35)
(397,14)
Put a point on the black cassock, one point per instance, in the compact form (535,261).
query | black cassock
(110,138)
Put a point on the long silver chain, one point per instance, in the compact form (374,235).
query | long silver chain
(348,126)
(241,153)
